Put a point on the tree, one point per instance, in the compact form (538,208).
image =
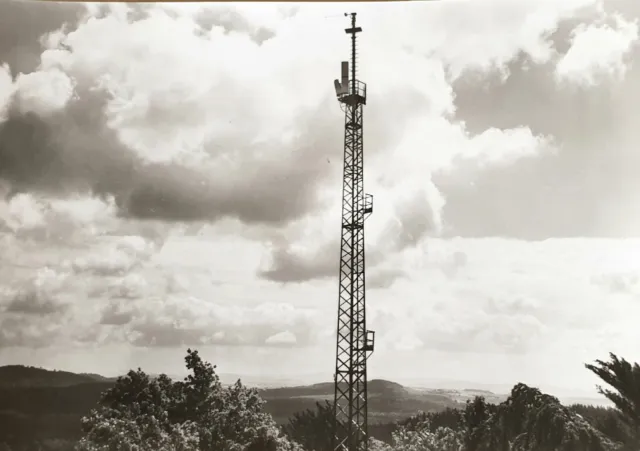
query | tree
(378,445)
(114,430)
(530,420)
(605,419)
(313,429)
(422,438)
(624,379)
(141,413)
(474,416)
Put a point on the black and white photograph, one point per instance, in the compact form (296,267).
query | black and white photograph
(300,226)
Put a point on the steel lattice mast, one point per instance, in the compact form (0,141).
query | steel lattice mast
(354,341)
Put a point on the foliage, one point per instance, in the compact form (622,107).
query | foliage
(423,437)
(451,418)
(605,419)
(533,421)
(111,429)
(142,413)
(624,379)
(476,414)
(527,421)
(312,428)
(378,445)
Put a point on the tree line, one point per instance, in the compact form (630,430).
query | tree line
(143,413)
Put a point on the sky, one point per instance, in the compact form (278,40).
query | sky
(170,177)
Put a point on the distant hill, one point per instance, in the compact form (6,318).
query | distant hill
(15,376)
(44,405)
(376,387)
(41,404)
(41,409)
(388,401)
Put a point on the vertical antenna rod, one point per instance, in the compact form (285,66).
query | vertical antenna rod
(354,342)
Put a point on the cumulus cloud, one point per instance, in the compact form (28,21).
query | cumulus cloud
(43,92)
(131,165)
(170,148)
(507,29)
(411,205)
(171,155)
(481,296)
(131,286)
(56,220)
(181,320)
(383,278)
(462,297)
(507,296)
(119,290)
(114,257)
(585,187)
(37,296)
(598,50)
(6,91)
(167,140)
(116,314)
(288,264)
(22,24)
(282,338)
(407,180)
(157,125)
(32,307)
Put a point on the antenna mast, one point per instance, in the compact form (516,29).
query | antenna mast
(354,341)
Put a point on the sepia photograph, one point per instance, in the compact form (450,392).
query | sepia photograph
(310,226)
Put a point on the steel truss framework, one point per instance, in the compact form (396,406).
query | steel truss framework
(354,341)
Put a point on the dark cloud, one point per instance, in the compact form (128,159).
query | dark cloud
(115,315)
(276,193)
(471,208)
(37,295)
(22,23)
(31,313)
(74,151)
(287,266)
(69,152)
(33,302)
(559,194)
(571,192)
(28,332)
